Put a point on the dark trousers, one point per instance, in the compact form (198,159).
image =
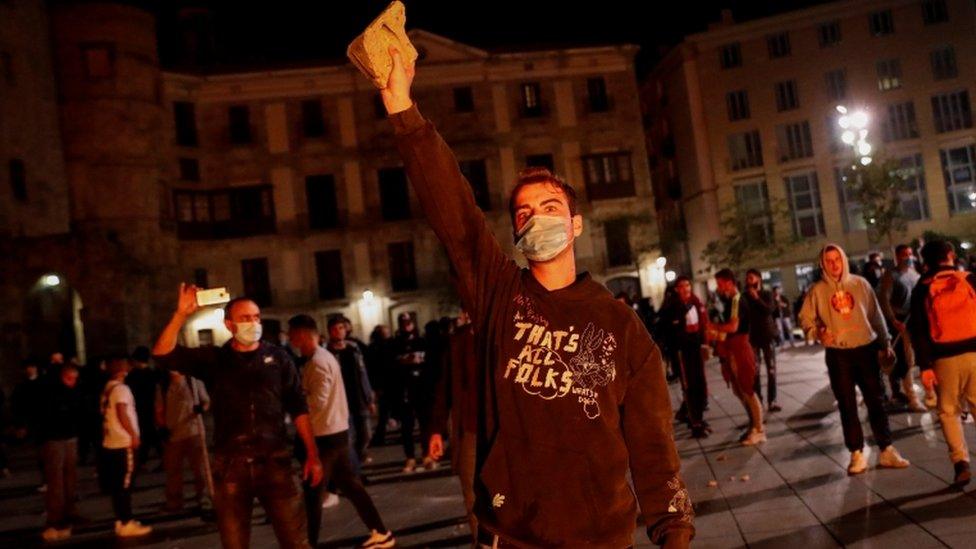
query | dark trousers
(858,367)
(175,455)
(408,415)
(359,422)
(900,370)
(693,380)
(337,468)
(116,475)
(765,352)
(61,475)
(385,406)
(271,479)
(149,436)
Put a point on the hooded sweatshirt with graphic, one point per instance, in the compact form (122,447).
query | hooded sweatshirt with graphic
(847,307)
(570,388)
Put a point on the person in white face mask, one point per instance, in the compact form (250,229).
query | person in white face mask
(253,385)
(570,389)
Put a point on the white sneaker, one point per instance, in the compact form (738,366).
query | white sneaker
(755,437)
(52,534)
(429,463)
(858,464)
(331,500)
(378,540)
(892,459)
(131,529)
(410,466)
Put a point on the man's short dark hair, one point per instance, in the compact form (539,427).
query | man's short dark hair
(115,364)
(754,272)
(682,278)
(537,175)
(229,307)
(141,354)
(874,255)
(337,320)
(726,274)
(936,252)
(303,322)
(901,248)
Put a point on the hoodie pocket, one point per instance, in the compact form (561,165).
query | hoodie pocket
(541,494)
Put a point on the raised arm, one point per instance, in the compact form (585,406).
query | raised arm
(445,196)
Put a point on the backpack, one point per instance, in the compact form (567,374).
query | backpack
(951,306)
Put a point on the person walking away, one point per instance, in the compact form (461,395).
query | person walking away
(942,323)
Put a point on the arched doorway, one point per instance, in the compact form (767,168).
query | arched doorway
(52,319)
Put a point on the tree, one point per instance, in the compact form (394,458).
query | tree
(878,189)
(748,236)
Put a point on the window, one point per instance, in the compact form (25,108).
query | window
(745,150)
(200,277)
(328,271)
(205,337)
(889,74)
(239,117)
(914,199)
(185,119)
(540,161)
(803,195)
(226,213)
(900,123)
(836,84)
(313,121)
(394,197)
(7,68)
(531,100)
(958,167)
(752,199)
(257,283)
(951,111)
(794,141)
(881,23)
(403,271)
(18,179)
(320,197)
(829,33)
(189,169)
(477,175)
(934,11)
(596,89)
(616,232)
(786,96)
(737,103)
(778,45)
(944,63)
(608,175)
(99,61)
(852,215)
(463,99)
(730,55)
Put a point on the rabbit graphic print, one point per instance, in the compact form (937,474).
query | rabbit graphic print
(555,363)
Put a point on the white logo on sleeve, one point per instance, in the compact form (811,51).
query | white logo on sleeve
(498,501)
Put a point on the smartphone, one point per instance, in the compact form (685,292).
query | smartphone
(213,296)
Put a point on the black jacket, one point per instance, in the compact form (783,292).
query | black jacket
(926,350)
(762,328)
(250,394)
(61,411)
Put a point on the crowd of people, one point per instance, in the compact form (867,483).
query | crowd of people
(552,394)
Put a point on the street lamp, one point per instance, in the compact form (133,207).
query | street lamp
(855,133)
(662,261)
(51,280)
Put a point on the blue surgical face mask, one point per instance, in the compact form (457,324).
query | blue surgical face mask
(543,237)
(248,333)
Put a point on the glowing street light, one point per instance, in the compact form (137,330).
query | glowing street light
(848,137)
(51,281)
(368,296)
(670,276)
(661,261)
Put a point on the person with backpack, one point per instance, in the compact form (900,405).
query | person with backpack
(943,330)
(119,447)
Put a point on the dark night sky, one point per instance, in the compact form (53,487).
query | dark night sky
(291,31)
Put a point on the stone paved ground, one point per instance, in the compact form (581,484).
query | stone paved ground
(797,493)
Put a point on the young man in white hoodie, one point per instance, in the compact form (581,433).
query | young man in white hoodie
(842,312)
